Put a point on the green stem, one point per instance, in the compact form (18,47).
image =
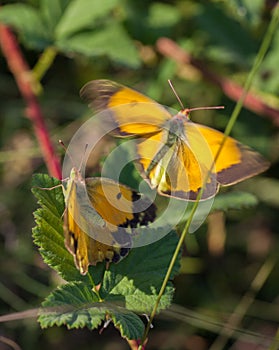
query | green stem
(259,58)
(45,61)
(258,61)
(94,287)
(172,262)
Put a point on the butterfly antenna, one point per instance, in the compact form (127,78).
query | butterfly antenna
(203,108)
(190,109)
(62,144)
(175,94)
(83,156)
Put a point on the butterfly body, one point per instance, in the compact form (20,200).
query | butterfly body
(174,130)
(174,155)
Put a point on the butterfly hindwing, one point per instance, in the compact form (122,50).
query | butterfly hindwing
(94,227)
(177,166)
(118,204)
(236,162)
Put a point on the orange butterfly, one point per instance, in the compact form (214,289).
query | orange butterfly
(97,210)
(175,155)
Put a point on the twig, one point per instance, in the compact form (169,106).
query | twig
(12,344)
(169,48)
(24,78)
(45,61)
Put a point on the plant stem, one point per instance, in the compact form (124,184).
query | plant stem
(258,61)
(45,61)
(24,79)
(10,343)
(134,344)
(94,287)
(172,262)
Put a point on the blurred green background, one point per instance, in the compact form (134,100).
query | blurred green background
(117,40)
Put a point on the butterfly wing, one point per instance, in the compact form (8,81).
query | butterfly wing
(189,163)
(115,206)
(236,161)
(178,168)
(134,114)
(119,205)
(81,221)
(129,112)
(181,168)
(86,250)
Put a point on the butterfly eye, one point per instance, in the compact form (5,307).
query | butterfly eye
(119,195)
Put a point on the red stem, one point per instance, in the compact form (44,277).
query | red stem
(134,344)
(23,76)
(169,48)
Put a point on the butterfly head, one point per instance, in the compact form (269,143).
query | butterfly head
(184,114)
(75,175)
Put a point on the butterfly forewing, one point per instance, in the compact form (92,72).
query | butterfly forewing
(130,112)
(86,250)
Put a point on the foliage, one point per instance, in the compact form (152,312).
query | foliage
(71,42)
(135,281)
(79,26)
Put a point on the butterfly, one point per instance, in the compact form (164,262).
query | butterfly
(174,155)
(98,211)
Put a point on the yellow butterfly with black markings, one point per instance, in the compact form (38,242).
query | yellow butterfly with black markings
(175,155)
(98,211)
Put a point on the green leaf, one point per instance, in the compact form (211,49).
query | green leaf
(222,202)
(28,23)
(251,11)
(69,305)
(234,200)
(267,79)
(133,283)
(48,234)
(128,175)
(75,305)
(49,193)
(52,11)
(230,42)
(82,14)
(138,278)
(163,15)
(128,323)
(111,41)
